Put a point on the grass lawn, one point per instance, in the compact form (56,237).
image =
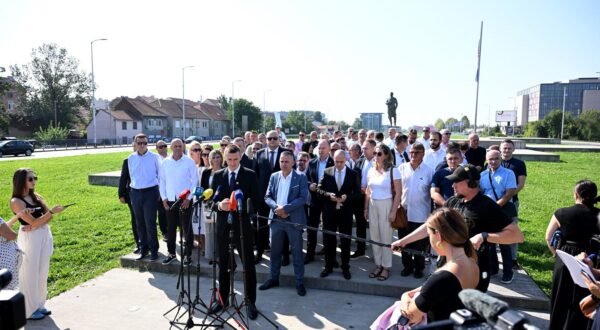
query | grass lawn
(90,237)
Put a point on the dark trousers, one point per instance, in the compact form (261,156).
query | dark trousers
(316,209)
(410,261)
(340,221)
(133,224)
(144,207)
(507,261)
(178,217)
(361,222)
(162,218)
(247,254)
(261,226)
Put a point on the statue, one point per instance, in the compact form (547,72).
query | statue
(392,104)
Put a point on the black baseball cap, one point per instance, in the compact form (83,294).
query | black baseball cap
(465,172)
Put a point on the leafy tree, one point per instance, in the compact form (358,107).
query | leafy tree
(318,116)
(4,116)
(269,123)
(553,123)
(588,125)
(52,83)
(52,133)
(296,120)
(451,121)
(357,123)
(225,101)
(439,124)
(244,107)
(536,129)
(465,122)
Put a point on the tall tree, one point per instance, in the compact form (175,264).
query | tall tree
(553,122)
(4,117)
(465,122)
(357,123)
(439,124)
(244,107)
(589,125)
(53,87)
(295,121)
(225,101)
(318,116)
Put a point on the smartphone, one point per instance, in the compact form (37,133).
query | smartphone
(584,273)
(65,206)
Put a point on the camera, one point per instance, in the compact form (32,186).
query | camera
(12,304)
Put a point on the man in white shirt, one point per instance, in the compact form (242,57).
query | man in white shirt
(445,138)
(300,142)
(390,141)
(362,166)
(144,169)
(281,134)
(424,140)
(434,155)
(177,174)
(416,181)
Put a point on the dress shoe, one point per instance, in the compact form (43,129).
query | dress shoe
(285,260)
(301,290)
(325,272)
(153,256)
(418,274)
(346,274)
(321,252)
(137,250)
(405,272)
(142,256)
(258,259)
(268,284)
(308,259)
(357,254)
(252,312)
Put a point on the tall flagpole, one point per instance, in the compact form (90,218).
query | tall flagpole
(477,75)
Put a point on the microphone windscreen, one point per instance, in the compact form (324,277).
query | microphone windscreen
(216,195)
(198,191)
(232,202)
(184,194)
(485,305)
(239,195)
(207,194)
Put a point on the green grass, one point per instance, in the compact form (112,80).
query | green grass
(90,237)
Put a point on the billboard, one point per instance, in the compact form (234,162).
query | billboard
(506,115)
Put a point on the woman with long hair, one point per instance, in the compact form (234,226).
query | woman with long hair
(380,209)
(215,160)
(36,242)
(577,223)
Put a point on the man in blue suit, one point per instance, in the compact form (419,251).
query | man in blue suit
(285,197)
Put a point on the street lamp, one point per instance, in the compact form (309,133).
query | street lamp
(265,109)
(562,124)
(94,88)
(233,108)
(183,95)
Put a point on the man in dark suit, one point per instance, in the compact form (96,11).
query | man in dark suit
(286,197)
(230,179)
(245,161)
(267,162)
(316,167)
(124,182)
(361,167)
(339,189)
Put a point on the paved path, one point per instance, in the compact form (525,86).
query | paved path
(66,153)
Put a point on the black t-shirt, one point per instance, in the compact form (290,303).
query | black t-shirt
(476,156)
(439,296)
(577,223)
(517,166)
(439,181)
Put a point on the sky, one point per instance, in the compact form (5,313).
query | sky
(337,57)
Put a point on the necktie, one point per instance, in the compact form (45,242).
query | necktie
(232,181)
(339,180)
(405,155)
(272,159)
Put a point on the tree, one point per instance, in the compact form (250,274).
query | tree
(465,122)
(53,86)
(269,123)
(244,107)
(536,129)
(589,125)
(224,101)
(4,116)
(439,124)
(451,121)
(357,123)
(553,123)
(318,116)
(295,121)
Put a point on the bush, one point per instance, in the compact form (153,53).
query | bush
(536,129)
(52,133)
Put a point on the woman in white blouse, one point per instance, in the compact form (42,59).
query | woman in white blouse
(380,209)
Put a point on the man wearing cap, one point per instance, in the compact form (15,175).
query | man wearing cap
(485,220)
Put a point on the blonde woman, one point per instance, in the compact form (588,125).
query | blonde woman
(380,209)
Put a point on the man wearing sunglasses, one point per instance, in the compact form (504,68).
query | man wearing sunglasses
(161,149)
(445,138)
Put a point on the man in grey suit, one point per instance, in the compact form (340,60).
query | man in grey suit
(285,197)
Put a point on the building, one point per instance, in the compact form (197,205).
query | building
(371,120)
(10,98)
(537,102)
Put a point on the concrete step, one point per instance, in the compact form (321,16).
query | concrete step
(522,293)
(528,155)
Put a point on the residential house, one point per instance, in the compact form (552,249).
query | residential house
(220,124)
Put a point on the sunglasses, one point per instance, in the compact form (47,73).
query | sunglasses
(141,143)
(195,150)
(205,155)
(159,147)
(447,133)
(301,135)
(273,138)
(32,178)
(380,153)
(224,145)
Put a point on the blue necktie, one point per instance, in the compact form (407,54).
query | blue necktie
(232,181)
(271,159)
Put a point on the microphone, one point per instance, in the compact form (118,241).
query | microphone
(239,198)
(232,202)
(485,305)
(207,194)
(250,208)
(182,196)
(198,192)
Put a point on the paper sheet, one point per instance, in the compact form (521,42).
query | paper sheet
(575,267)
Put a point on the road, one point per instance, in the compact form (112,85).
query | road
(66,153)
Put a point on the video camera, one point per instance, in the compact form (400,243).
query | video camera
(12,304)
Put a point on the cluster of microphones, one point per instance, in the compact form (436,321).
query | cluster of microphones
(236,200)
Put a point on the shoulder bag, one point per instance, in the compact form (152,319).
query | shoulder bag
(509,209)
(401,220)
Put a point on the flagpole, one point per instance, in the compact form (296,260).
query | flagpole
(477,76)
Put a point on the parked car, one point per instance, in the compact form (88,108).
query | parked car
(193,138)
(15,147)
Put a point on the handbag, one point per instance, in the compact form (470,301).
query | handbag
(401,219)
(588,306)
(509,209)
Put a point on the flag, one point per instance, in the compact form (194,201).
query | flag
(478,60)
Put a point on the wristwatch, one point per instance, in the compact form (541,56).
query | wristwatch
(485,235)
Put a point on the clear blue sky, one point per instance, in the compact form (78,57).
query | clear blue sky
(339,57)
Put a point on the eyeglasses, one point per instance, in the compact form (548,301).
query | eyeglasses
(447,133)
(273,138)
(301,135)
(141,143)
(196,150)
(334,150)
(205,155)
(32,178)
(160,147)
(224,145)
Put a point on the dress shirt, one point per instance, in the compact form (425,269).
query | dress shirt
(143,170)
(298,147)
(177,176)
(380,185)
(283,189)
(236,171)
(434,157)
(416,196)
(424,142)
(336,173)
(399,157)
(502,180)
(391,143)
(322,166)
(365,171)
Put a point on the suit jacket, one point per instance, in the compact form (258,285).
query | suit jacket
(358,166)
(124,181)
(350,188)
(264,171)
(246,182)
(312,176)
(296,199)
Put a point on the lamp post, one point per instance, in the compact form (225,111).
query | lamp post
(94,88)
(265,109)
(183,95)
(562,124)
(233,108)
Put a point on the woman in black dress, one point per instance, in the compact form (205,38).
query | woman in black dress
(578,223)
(438,296)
